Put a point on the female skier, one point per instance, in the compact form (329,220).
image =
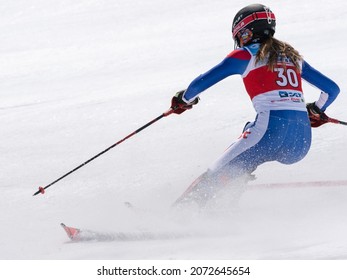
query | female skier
(271,71)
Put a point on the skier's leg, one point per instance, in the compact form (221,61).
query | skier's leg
(222,171)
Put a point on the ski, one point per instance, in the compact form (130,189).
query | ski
(79,235)
(72,233)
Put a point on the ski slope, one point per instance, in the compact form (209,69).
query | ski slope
(77,76)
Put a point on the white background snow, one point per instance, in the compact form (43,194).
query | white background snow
(77,76)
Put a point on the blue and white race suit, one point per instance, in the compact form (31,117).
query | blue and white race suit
(281,131)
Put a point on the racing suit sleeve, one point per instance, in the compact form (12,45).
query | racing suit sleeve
(235,63)
(329,88)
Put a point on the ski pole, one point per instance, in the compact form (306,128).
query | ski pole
(170,111)
(332,120)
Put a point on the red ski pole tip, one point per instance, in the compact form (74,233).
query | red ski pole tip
(42,190)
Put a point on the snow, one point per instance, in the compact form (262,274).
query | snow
(77,76)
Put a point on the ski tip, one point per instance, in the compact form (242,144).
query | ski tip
(71,232)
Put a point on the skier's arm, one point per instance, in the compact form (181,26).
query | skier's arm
(235,63)
(329,88)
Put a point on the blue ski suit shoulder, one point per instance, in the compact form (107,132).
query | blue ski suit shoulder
(235,63)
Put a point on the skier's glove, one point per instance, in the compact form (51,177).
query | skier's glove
(179,105)
(317,116)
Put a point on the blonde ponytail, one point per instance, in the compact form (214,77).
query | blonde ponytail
(276,51)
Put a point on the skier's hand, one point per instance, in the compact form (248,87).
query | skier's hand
(317,116)
(179,105)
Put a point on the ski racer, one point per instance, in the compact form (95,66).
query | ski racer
(272,72)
